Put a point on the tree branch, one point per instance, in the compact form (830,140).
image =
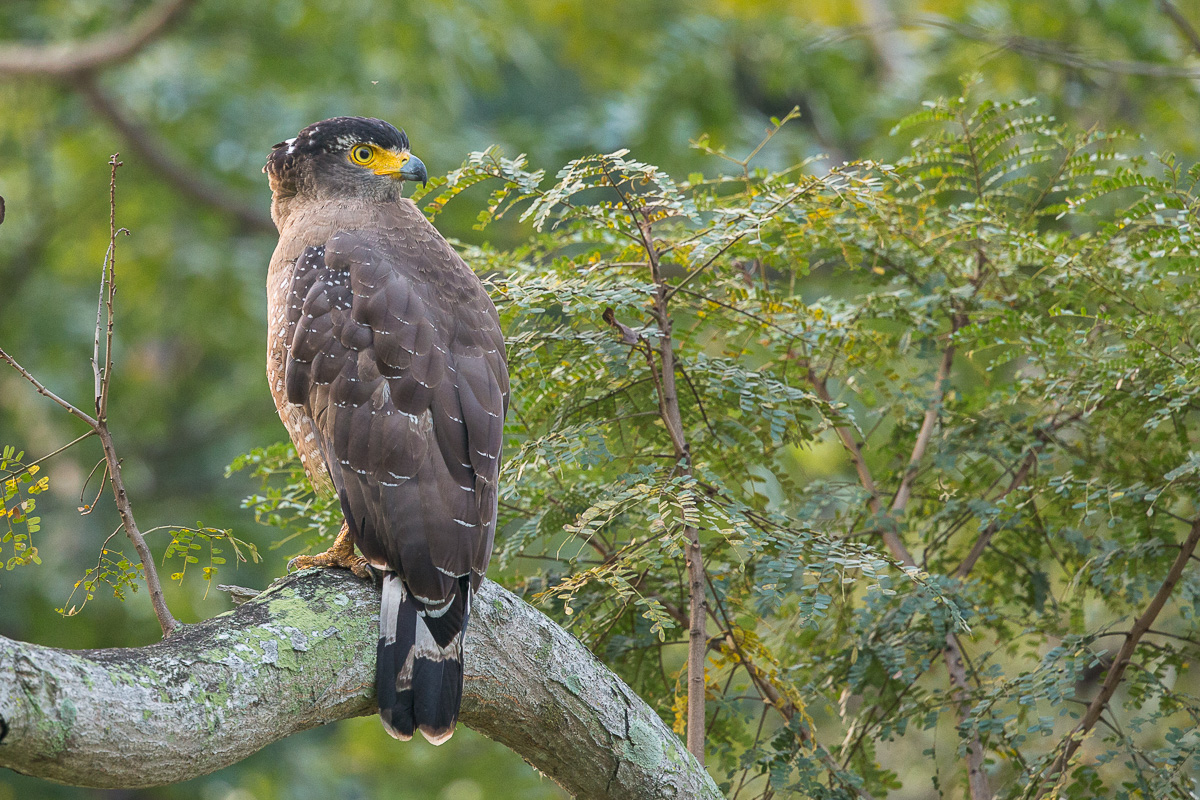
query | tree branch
(44,392)
(1122,660)
(890,538)
(940,381)
(76,64)
(95,52)
(985,537)
(1055,52)
(1045,436)
(977,780)
(672,419)
(99,424)
(302,654)
(1181,23)
(883,29)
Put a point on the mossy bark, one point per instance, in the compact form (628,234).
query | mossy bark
(302,654)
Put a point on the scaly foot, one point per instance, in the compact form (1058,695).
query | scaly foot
(341,554)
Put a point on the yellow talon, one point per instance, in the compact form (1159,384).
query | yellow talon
(341,555)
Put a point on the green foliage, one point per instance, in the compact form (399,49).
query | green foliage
(1058,274)
(187,544)
(124,575)
(288,501)
(558,80)
(1054,275)
(17,504)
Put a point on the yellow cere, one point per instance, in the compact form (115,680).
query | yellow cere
(378,160)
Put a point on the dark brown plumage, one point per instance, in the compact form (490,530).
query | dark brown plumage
(386,362)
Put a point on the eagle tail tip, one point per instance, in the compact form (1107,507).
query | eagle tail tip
(395,733)
(436,736)
(420,680)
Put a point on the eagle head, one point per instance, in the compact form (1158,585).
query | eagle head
(344,157)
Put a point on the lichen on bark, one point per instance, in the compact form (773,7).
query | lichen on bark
(302,654)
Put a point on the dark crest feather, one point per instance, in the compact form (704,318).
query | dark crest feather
(333,135)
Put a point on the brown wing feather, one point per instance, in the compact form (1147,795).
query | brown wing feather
(396,355)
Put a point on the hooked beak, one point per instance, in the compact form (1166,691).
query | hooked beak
(402,165)
(413,170)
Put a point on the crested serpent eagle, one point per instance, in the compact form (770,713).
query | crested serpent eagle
(386,362)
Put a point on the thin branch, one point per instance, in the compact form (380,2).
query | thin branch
(668,403)
(52,454)
(1181,22)
(166,621)
(763,684)
(105,49)
(42,390)
(736,310)
(977,781)
(699,402)
(891,538)
(953,653)
(772,696)
(1124,656)
(769,213)
(882,30)
(76,64)
(1055,52)
(108,290)
(985,537)
(99,425)
(1046,437)
(941,381)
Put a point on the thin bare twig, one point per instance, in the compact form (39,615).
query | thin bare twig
(166,621)
(108,290)
(42,390)
(99,425)
(53,453)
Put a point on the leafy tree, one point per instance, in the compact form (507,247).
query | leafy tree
(929,428)
(1008,299)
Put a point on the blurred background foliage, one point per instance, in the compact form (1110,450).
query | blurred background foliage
(551,78)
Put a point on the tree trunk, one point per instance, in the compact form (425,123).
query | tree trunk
(302,654)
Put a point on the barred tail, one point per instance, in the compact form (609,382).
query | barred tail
(418,668)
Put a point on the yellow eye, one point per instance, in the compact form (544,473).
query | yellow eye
(361,154)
